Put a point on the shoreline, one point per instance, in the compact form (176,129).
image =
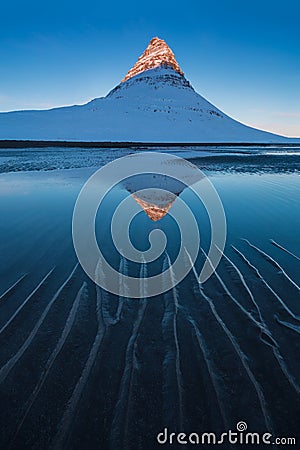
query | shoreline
(117,144)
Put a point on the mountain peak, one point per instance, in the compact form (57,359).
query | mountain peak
(157,54)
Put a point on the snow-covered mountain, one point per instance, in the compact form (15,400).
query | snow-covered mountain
(153,103)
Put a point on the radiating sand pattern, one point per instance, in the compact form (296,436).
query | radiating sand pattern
(83,369)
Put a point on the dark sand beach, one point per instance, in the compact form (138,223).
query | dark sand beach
(84,369)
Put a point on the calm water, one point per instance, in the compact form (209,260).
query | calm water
(80,368)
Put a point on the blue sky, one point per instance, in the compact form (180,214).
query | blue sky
(243,56)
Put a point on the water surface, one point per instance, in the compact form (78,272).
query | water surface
(81,368)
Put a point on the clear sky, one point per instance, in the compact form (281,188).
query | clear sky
(243,56)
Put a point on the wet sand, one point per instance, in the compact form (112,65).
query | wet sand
(84,369)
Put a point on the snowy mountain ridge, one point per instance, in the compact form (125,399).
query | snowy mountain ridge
(153,103)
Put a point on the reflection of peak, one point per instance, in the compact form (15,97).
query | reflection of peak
(157,54)
(155,211)
(156,192)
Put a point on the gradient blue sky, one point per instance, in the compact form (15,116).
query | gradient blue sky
(243,56)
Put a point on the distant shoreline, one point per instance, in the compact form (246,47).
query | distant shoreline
(137,145)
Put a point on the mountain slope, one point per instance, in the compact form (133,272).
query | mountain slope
(154,103)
